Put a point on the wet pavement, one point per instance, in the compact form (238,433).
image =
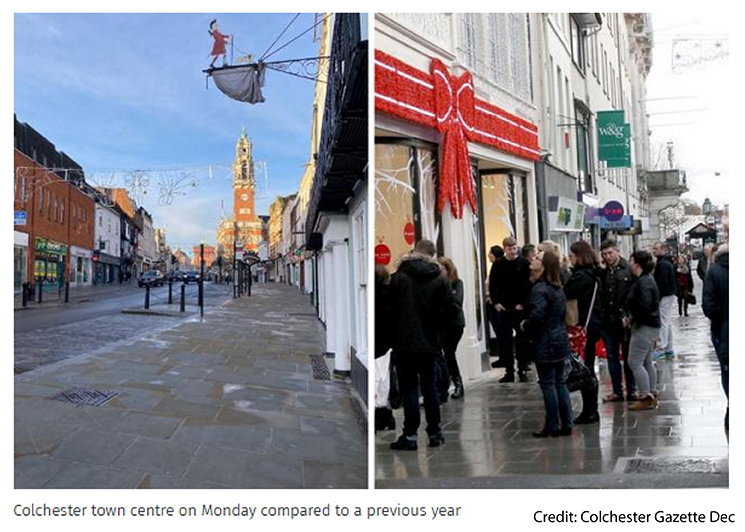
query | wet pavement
(225,402)
(489,442)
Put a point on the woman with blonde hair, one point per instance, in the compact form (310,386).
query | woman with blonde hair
(452,336)
(564,271)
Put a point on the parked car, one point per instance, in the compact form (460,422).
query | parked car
(150,278)
(175,276)
(191,276)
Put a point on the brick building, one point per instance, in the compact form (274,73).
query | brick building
(54,214)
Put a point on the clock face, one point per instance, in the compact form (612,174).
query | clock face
(244,197)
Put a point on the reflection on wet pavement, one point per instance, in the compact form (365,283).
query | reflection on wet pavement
(489,442)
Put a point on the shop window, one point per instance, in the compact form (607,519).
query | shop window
(504,208)
(405,197)
(20,261)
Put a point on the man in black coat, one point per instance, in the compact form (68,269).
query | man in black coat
(509,287)
(615,281)
(422,307)
(715,304)
(664,276)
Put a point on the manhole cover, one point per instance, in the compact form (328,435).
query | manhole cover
(636,466)
(320,369)
(85,396)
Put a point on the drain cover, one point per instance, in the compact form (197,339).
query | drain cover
(320,369)
(642,466)
(85,396)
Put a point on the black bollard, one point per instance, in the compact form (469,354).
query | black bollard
(201,298)
(24,294)
(183,297)
(170,291)
(147,296)
(67,292)
(41,287)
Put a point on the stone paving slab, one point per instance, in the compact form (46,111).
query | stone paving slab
(488,440)
(224,402)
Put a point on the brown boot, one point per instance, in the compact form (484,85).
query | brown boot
(648,402)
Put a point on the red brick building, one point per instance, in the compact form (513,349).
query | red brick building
(53,231)
(209,257)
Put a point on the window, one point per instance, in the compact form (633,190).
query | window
(468,39)
(520,54)
(578,45)
(62,211)
(406,196)
(23,190)
(584,176)
(498,49)
(56,207)
(41,202)
(49,204)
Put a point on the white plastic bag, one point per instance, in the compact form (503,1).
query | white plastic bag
(382,380)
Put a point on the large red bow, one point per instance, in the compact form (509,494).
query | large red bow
(454,110)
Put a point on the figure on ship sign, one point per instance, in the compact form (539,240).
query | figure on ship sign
(218,47)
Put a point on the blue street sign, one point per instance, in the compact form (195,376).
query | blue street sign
(19,217)
(626,222)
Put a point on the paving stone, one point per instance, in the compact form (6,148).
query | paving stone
(80,475)
(151,455)
(33,472)
(93,446)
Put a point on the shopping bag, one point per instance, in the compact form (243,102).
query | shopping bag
(382,380)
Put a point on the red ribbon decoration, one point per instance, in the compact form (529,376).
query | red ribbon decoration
(454,110)
(437,100)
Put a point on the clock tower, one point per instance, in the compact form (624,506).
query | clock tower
(244,185)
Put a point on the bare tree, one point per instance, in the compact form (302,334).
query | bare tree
(672,219)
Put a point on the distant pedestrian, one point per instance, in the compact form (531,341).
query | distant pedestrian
(422,306)
(616,279)
(545,326)
(509,287)
(495,253)
(705,261)
(452,336)
(644,321)
(564,271)
(528,251)
(715,304)
(664,276)
(684,284)
(584,287)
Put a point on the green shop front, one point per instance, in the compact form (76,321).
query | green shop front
(49,262)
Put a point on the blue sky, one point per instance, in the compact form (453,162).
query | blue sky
(120,92)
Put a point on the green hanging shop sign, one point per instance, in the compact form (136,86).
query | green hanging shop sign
(50,246)
(614,139)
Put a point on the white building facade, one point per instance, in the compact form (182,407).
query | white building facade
(107,251)
(420,60)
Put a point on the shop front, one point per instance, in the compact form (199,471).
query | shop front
(106,268)
(80,266)
(20,260)
(465,186)
(49,263)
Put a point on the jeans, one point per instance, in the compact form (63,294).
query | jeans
(415,370)
(449,346)
(666,317)
(508,321)
(556,398)
(616,339)
(640,358)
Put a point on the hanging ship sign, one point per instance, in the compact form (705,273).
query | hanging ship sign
(243,79)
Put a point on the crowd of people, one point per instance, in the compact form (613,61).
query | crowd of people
(543,308)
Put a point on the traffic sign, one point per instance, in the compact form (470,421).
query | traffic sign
(19,217)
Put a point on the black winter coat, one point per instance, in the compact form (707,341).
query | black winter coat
(715,300)
(458,294)
(615,282)
(664,276)
(545,323)
(509,282)
(580,287)
(382,332)
(421,306)
(644,302)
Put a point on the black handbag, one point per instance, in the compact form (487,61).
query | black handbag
(577,375)
(690,298)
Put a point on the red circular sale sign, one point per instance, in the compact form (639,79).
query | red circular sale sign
(409,233)
(382,254)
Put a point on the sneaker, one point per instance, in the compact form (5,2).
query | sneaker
(403,443)
(508,377)
(669,354)
(613,398)
(658,354)
(436,440)
(646,403)
(633,396)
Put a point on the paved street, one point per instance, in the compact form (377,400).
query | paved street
(93,320)
(489,442)
(226,402)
